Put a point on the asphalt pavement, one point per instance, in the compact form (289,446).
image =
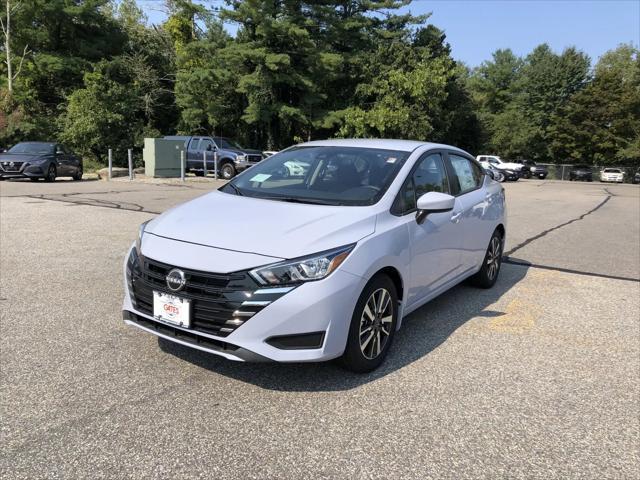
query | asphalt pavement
(538,377)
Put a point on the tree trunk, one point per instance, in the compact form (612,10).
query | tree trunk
(7,48)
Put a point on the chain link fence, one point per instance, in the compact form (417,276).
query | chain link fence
(561,171)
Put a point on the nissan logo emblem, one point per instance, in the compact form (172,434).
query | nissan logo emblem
(176,280)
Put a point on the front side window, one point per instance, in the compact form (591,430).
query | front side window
(206,144)
(429,176)
(467,175)
(329,175)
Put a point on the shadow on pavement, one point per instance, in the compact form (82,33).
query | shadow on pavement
(422,332)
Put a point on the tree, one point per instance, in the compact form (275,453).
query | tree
(104,114)
(6,31)
(601,123)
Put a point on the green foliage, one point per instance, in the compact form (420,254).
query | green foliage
(601,123)
(97,76)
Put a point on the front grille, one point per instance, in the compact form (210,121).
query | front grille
(220,303)
(254,158)
(12,168)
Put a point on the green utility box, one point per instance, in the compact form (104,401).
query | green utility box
(162,157)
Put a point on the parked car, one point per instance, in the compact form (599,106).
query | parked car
(508,174)
(36,160)
(532,169)
(612,175)
(581,172)
(499,163)
(496,174)
(335,259)
(232,158)
(636,177)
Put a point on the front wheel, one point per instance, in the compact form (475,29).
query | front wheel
(78,176)
(488,273)
(373,326)
(227,171)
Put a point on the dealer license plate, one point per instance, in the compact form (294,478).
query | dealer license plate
(172,309)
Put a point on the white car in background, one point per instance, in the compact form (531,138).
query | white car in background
(496,162)
(612,175)
(321,265)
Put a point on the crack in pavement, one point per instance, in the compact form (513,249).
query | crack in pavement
(91,202)
(524,263)
(557,227)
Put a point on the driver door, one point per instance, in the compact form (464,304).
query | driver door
(435,243)
(63,162)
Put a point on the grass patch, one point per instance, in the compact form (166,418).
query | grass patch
(91,166)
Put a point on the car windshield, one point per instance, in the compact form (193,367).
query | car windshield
(326,175)
(33,148)
(226,143)
(611,170)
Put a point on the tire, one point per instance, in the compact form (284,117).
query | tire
(364,330)
(542,177)
(78,175)
(488,273)
(34,179)
(51,174)
(227,171)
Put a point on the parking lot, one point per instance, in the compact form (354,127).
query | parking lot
(537,377)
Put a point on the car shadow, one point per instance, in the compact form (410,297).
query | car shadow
(422,332)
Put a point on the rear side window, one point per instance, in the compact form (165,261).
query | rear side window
(429,175)
(467,176)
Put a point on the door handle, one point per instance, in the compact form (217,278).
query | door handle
(455,218)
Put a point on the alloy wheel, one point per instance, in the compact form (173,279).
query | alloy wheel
(375,323)
(494,256)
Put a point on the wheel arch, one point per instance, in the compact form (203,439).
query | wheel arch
(396,277)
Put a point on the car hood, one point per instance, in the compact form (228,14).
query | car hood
(264,227)
(22,157)
(510,166)
(244,151)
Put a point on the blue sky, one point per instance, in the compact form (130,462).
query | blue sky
(476,28)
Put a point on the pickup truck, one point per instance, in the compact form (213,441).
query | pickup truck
(232,158)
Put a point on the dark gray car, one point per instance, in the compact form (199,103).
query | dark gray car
(36,160)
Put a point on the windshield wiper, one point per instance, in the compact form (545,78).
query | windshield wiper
(312,201)
(235,189)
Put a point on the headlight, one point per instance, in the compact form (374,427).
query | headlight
(314,267)
(140,233)
(240,158)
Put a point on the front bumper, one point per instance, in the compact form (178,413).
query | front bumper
(322,308)
(25,171)
(244,164)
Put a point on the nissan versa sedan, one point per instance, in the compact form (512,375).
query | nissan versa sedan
(321,261)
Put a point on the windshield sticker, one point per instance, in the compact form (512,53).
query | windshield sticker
(391,160)
(261,177)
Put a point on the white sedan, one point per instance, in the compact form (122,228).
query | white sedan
(612,175)
(321,265)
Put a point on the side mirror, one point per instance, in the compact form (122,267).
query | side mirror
(433,202)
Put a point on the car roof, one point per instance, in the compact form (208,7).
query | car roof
(383,144)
